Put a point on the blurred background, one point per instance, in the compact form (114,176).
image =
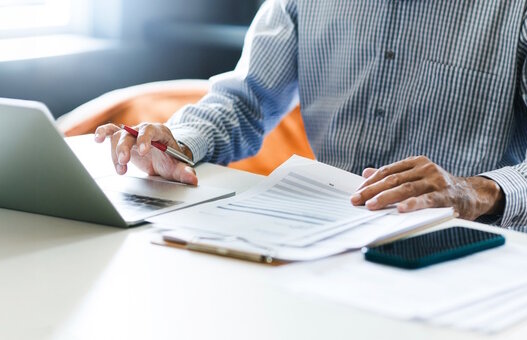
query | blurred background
(66,52)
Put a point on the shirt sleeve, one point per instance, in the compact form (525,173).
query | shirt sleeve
(230,122)
(513,180)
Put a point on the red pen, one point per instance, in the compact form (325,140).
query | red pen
(166,149)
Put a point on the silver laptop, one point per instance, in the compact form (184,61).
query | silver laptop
(39,173)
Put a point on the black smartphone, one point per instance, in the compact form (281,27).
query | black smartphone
(435,247)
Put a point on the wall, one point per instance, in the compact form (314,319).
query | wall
(65,82)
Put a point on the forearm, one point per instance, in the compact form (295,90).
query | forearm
(218,130)
(230,122)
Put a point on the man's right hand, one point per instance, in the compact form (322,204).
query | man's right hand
(125,148)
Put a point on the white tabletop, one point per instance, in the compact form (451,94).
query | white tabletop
(62,279)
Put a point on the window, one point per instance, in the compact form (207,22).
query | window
(18,15)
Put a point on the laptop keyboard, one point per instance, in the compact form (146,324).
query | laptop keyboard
(156,203)
(139,202)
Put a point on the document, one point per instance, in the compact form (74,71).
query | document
(302,211)
(297,205)
(483,292)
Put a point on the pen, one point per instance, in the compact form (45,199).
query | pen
(166,149)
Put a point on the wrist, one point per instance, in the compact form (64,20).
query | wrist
(490,195)
(185,149)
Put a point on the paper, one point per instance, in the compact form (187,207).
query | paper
(465,293)
(297,205)
(488,315)
(385,227)
(300,212)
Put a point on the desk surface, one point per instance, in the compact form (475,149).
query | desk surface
(62,279)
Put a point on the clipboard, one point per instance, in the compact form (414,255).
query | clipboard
(224,248)
(301,212)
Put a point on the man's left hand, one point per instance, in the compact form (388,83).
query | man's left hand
(418,183)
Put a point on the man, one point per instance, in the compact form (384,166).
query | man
(435,91)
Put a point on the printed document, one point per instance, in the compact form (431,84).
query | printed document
(296,213)
(297,205)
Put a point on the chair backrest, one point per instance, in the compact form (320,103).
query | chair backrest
(156,102)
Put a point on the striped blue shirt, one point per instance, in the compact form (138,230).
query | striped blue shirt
(379,81)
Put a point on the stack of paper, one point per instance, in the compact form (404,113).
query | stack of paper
(484,292)
(302,211)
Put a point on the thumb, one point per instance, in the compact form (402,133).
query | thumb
(185,174)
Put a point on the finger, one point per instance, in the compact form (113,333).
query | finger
(392,181)
(104,131)
(399,194)
(124,148)
(430,200)
(188,175)
(144,138)
(368,172)
(391,169)
(143,162)
(147,133)
(119,168)
(176,171)
(153,132)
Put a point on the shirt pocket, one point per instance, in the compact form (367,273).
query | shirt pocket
(451,114)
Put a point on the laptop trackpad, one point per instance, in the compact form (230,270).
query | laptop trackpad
(160,188)
(147,187)
(132,195)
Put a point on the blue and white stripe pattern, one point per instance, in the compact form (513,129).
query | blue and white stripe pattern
(378,81)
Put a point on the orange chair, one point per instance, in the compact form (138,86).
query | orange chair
(156,102)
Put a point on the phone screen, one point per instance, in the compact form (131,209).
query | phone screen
(438,246)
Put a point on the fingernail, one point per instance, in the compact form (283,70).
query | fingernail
(121,158)
(371,203)
(97,136)
(355,198)
(190,170)
(142,148)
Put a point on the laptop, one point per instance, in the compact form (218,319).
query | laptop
(39,173)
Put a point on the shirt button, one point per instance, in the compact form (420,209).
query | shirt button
(379,112)
(389,55)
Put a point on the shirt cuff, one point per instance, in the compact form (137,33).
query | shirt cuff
(193,139)
(514,186)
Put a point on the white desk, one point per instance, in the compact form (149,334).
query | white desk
(63,279)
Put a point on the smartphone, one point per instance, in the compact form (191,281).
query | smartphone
(435,247)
